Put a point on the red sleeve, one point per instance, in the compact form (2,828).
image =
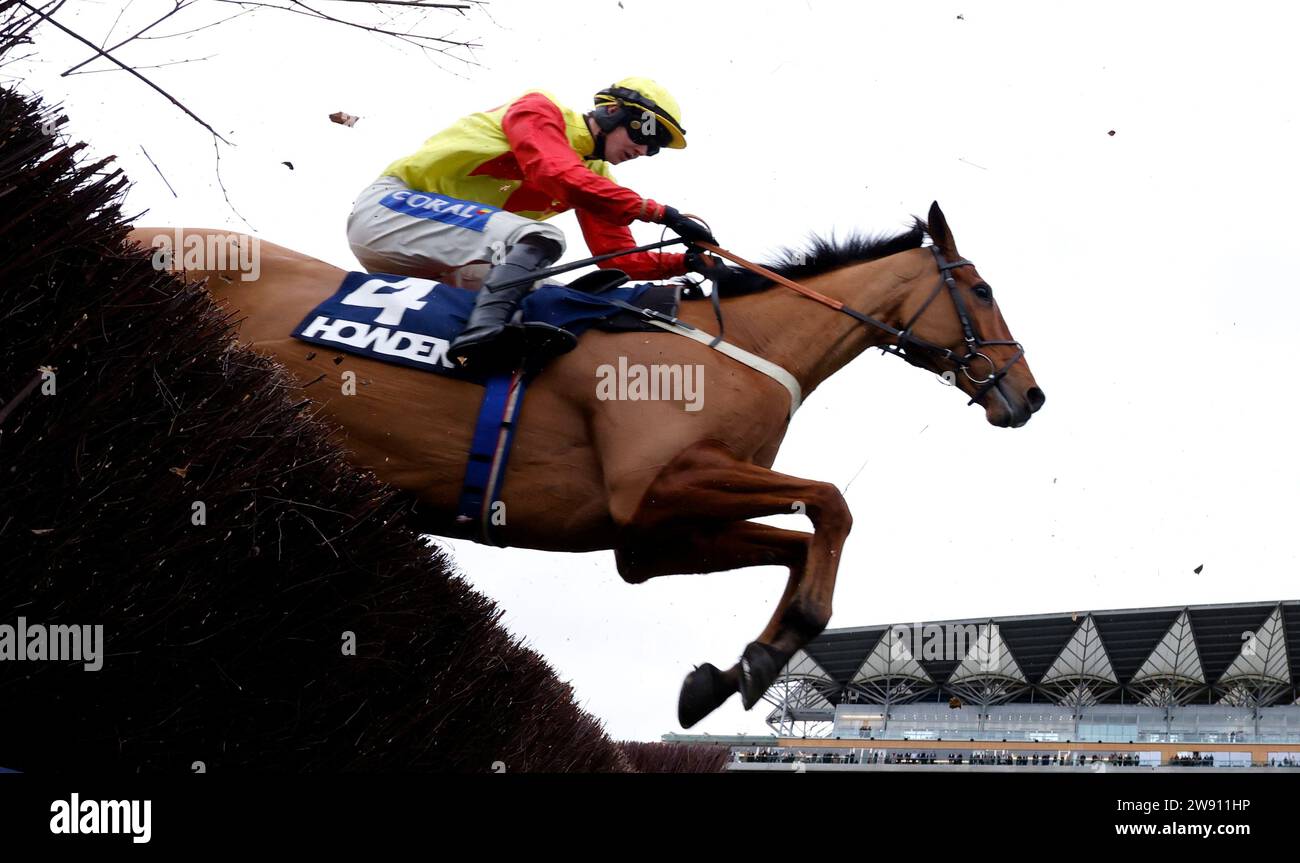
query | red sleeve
(603,237)
(534,128)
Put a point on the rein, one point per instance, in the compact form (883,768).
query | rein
(586,262)
(904,337)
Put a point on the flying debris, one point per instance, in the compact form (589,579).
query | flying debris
(344,119)
(1198,569)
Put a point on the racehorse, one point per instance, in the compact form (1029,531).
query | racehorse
(668,490)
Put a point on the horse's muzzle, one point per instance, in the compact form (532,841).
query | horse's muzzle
(1012,410)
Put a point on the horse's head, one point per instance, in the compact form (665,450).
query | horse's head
(956,330)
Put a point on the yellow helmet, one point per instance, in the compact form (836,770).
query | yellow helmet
(636,96)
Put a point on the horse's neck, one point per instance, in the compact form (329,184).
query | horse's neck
(813,341)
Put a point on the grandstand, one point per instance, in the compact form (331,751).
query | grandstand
(1197,687)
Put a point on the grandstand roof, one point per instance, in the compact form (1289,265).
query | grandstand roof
(1249,652)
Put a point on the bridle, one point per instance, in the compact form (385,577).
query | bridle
(904,340)
(971,336)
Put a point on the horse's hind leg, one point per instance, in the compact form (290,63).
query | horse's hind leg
(707,484)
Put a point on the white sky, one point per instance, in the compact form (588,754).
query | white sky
(1151,275)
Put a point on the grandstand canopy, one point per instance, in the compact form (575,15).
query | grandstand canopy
(1242,653)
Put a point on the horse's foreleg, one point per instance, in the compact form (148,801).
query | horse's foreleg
(716,549)
(708,548)
(704,485)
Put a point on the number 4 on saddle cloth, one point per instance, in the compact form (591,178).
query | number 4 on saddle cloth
(411,322)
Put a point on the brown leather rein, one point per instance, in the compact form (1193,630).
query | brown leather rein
(904,337)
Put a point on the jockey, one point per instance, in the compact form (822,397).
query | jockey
(482,189)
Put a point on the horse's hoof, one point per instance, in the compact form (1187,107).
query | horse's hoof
(759,666)
(703,691)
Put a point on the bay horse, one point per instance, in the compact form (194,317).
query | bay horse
(668,490)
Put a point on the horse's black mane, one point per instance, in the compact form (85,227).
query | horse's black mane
(821,256)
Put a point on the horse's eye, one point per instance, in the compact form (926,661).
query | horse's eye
(983,291)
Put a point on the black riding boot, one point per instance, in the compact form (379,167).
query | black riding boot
(491,341)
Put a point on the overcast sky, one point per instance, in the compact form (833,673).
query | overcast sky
(1150,274)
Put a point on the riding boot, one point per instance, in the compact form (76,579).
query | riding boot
(491,341)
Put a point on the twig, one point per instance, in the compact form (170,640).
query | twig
(118,62)
(238,14)
(855,476)
(312,13)
(21,37)
(419,3)
(156,66)
(159,170)
(178,7)
(116,21)
(304,517)
(18,399)
(224,193)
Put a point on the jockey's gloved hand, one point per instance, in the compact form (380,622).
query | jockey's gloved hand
(686,228)
(700,261)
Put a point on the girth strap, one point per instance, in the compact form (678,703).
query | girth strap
(489,452)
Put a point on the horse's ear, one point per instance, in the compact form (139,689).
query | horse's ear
(940,233)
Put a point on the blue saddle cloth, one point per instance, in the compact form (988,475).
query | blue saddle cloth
(410,321)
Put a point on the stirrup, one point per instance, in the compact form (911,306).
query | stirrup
(491,352)
(544,342)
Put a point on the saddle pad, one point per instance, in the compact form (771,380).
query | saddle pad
(411,322)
